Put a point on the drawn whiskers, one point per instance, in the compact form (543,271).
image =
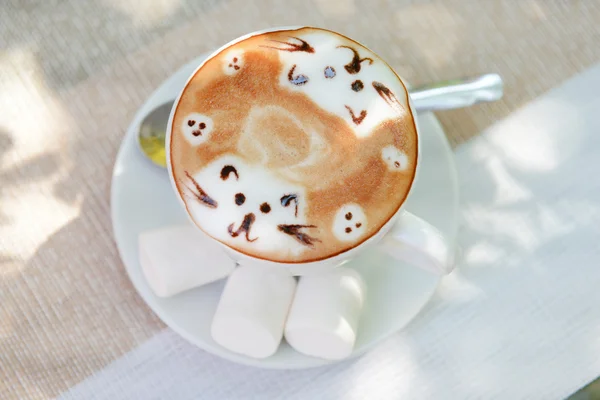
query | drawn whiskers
(295,231)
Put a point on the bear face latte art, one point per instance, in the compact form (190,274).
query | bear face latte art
(293,145)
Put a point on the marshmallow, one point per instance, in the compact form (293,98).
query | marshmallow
(252,310)
(178,258)
(324,316)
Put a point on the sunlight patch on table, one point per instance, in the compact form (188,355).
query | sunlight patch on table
(35,217)
(32,114)
(142,13)
(533,144)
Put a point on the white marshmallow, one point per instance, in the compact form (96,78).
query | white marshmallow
(252,310)
(324,316)
(178,258)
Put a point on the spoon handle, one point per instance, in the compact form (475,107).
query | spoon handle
(457,93)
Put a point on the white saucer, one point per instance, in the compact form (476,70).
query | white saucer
(142,199)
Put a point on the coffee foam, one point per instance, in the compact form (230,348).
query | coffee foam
(314,125)
(236,199)
(196,128)
(233,61)
(350,223)
(342,79)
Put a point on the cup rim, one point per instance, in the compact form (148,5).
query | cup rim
(334,259)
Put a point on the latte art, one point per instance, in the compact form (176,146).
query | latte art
(293,146)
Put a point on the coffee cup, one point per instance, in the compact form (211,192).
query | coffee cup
(296,148)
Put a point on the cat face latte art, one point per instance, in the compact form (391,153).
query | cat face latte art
(293,146)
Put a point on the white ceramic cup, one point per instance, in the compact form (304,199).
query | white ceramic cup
(405,236)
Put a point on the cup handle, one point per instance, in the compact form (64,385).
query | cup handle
(417,242)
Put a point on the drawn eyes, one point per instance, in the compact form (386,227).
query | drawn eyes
(234,64)
(287,199)
(265,208)
(357,85)
(329,72)
(350,223)
(348,217)
(395,159)
(396,163)
(240,199)
(228,170)
(191,122)
(297,80)
(201,127)
(196,128)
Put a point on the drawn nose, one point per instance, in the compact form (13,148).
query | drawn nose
(248,221)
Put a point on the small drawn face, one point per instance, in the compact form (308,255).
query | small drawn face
(233,62)
(394,158)
(249,207)
(197,128)
(350,223)
(343,78)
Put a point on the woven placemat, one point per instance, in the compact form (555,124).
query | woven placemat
(72,75)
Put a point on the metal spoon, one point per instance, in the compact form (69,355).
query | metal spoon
(440,96)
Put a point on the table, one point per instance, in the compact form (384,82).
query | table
(72,75)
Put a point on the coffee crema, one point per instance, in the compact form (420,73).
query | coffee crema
(293,145)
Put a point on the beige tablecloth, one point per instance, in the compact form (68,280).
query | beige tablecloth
(73,73)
